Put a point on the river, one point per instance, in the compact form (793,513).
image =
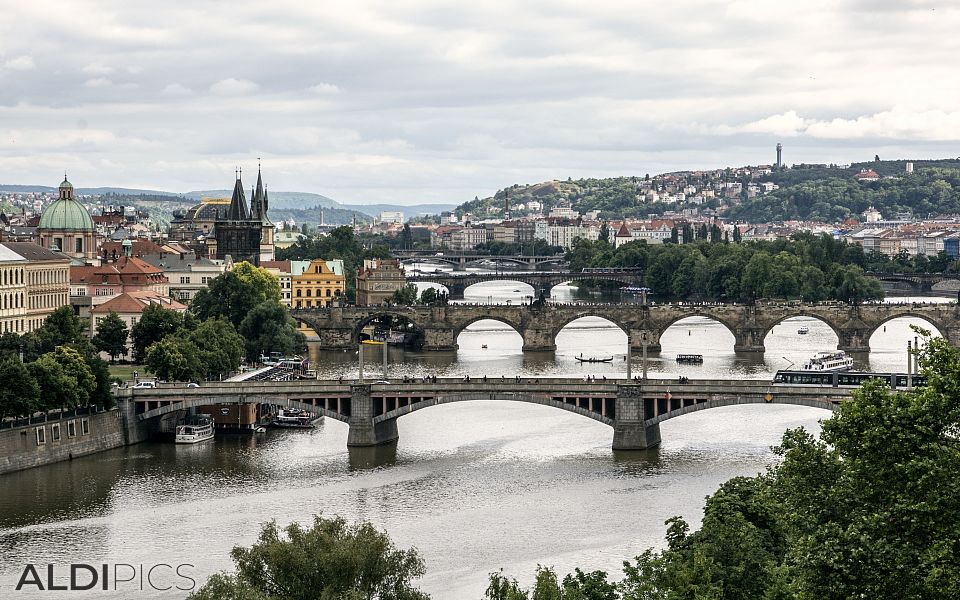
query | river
(475,486)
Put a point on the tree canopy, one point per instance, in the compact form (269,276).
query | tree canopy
(331,559)
(111,336)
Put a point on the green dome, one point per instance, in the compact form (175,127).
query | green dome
(66,215)
(66,184)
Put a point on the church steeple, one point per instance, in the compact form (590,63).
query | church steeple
(238,203)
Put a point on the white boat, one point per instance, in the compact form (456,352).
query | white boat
(198,429)
(828,361)
(804,330)
(292,418)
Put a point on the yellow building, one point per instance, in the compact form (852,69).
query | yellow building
(34,282)
(321,284)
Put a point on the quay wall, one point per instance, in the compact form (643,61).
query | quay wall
(40,444)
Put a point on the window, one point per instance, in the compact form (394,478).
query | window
(298,293)
(71,429)
(184,280)
(78,245)
(309,292)
(55,429)
(133,321)
(84,426)
(41,436)
(204,280)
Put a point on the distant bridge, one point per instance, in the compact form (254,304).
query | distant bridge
(921,282)
(539,324)
(459,260)
(634,410)
(457,283)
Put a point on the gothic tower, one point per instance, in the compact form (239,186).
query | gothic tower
(258,210)
(239,234)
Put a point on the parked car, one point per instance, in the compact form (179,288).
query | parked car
(193,385)
(142,385)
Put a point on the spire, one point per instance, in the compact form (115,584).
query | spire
(258,208)
(238,203)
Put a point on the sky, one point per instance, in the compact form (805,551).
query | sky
(415,101)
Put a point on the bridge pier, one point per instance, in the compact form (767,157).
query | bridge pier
(439,339)
(748,339)
(630,431)
(636,341)
(854,340)
(455,291)
(537,339)
(363,431)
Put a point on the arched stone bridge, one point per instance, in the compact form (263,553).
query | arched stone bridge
(634,410)
(539,324)
(460,261)
(456,284)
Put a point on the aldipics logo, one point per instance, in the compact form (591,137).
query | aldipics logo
(115,577)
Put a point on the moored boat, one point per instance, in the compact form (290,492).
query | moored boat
(196,429)
(691,359)
(804,330)
(292,418)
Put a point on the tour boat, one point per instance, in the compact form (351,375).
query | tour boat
(593,360)
(198,429)
(828,361)
(292,418)
(693,359)
(804,330)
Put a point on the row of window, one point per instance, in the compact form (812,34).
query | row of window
(327,293)
(12,301)
(56,432)
(13,276)
(49,300)
(203,280)
(42,277)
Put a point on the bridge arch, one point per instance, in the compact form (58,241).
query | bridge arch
(591,312)
(504,278)
(940,327)
(750,399)
(665,325)
(597,408)
(462,326)
(803,313)
(188,403)
(407,315)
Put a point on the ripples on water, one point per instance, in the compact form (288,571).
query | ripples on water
(475,485)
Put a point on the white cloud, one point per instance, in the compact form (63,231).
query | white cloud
(233,87)
(324,88)
(97,69)
(447,104)
(175,89)
(20,63)
(97,82)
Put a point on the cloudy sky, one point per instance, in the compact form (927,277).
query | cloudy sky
(413,101)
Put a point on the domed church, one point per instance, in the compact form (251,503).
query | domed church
(66,226)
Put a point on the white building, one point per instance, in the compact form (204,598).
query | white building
(562,232)
(391,216)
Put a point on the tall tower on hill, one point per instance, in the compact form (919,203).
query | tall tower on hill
(779,155)
(506,205)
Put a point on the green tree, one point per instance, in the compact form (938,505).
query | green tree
(428,295)
(235,293)
(64,378)
(19,392)
(61,327)
(268,328)
(406,295)
(175,358)
(331,560)
(155,323)
(111,336)
(220,347)
(605,232)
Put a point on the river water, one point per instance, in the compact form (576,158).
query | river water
(475,486)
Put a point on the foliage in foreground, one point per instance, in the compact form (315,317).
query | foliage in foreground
(869,510)
(331,560)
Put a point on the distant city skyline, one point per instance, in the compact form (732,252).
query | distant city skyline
(410,103)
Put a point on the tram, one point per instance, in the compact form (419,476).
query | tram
(896,381)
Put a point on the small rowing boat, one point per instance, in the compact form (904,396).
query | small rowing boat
(593,360)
